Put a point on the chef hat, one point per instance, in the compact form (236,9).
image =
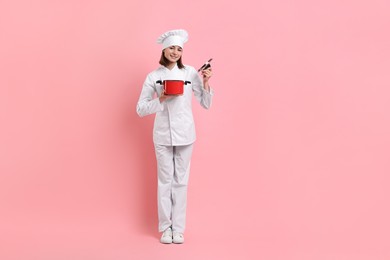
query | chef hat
(174,37)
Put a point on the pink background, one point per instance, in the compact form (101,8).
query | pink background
(292,161)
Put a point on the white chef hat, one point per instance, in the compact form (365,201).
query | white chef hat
(173,37)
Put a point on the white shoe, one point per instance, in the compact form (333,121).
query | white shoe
(178,238)
(166,237)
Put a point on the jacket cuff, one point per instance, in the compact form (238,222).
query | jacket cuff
(157,106)
(211,92)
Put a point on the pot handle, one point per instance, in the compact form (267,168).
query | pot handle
(161,83)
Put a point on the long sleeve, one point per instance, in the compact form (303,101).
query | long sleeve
(202,95)
(147,104)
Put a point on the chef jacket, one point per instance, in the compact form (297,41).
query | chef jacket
(174,122)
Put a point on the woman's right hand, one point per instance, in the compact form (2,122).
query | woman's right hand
(163,97)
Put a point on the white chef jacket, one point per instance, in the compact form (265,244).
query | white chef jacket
(174,123)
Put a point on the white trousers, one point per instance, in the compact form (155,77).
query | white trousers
(173,169)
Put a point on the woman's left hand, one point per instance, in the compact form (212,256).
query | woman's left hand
(206,74)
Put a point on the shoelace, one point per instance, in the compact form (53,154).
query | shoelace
(178,234)
(167,233)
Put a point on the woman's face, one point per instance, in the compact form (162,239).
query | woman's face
(173,53)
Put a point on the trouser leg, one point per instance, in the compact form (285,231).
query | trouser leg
(165,172)
(182,158)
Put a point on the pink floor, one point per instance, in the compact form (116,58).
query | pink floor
(108,239)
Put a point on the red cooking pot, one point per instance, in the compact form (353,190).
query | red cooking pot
(173,87)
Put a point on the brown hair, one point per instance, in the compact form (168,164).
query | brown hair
(165,62)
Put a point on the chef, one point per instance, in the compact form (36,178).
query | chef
(174,130)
